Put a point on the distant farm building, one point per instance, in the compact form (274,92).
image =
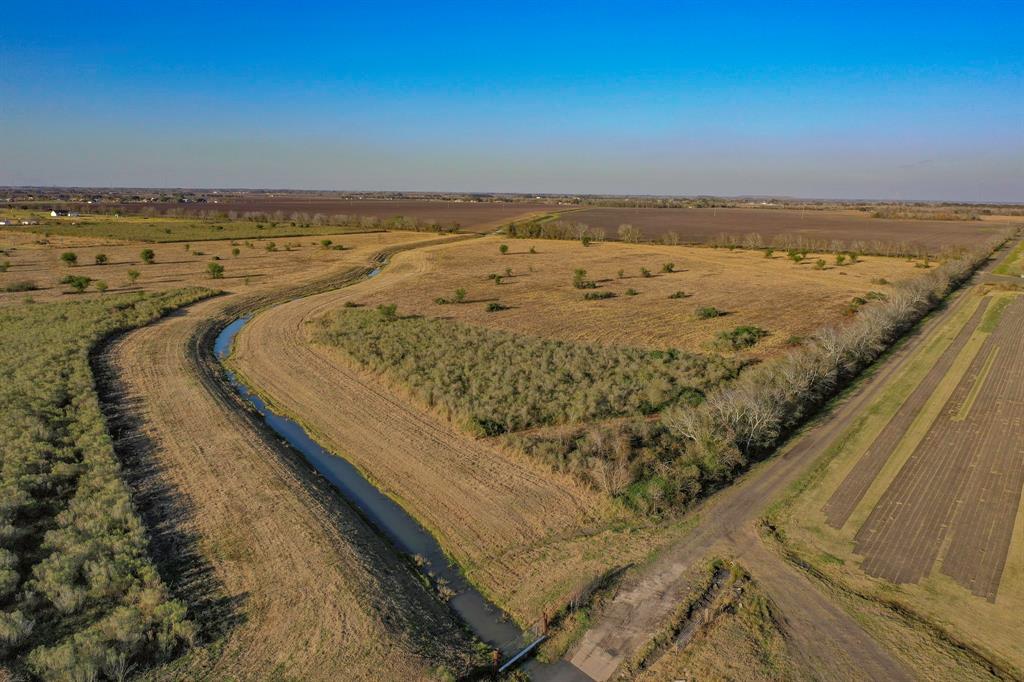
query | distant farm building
(62,213)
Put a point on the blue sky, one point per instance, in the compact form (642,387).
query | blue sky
(865,100)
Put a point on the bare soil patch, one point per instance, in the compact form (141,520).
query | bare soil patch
(965,475)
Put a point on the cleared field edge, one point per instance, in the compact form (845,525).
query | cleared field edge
(209,374)
(612,518)
(775,523)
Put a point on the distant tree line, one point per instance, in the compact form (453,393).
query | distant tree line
(79,596)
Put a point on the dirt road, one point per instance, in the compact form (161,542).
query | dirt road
(726,526)
(246,532)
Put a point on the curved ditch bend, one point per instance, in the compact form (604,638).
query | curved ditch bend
(485,620)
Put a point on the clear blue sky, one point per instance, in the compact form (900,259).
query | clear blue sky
(905,101)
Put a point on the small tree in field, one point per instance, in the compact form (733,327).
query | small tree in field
(503,249)
(101,286)
(132,276)
(235,251)
(69,258)
(533,249)
(840,258)
(460,296)
(326,243)
(101,259)
(388,312)
(215,270)
(819,264)
(77,282)
(580,281)
(644,272)
(668,267)
(768,253)
(148,256)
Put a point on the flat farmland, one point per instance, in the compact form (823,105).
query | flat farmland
(702,225)
(469,215)
(541,299)
(528,537)
(921,502)
(36,261)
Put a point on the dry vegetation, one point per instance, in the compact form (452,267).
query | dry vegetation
(542,300)
(730,632)
(80,597)
(249,265)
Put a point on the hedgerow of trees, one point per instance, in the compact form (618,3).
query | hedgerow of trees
(495,381)
(665,465)
(79,596)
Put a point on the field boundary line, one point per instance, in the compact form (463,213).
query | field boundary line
(979,382)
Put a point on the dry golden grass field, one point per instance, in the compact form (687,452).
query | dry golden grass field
(528,537)
(253,270)
(783,297)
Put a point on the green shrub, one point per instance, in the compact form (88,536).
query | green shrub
(77,282)
(132,275)
(21,285)
(88,593)
(215,270)
(668,267)
(148,256)
(739,338)
(708,312)
(495,306)
(598,295)
(644,272)
(503,248)
(70,258)
(631,292)
(678,294)
(101,259)
(580,281)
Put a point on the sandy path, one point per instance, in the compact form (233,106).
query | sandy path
(485,506)
(299,583)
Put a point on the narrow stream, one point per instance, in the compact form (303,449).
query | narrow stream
(488,622)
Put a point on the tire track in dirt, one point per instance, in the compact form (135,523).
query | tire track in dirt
(212,480)
(856,484)
(483,505)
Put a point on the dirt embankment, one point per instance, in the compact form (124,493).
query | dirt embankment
(284,576)
(525,535)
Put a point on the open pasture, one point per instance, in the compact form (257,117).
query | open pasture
(37,261)
(855,229)
(776,294)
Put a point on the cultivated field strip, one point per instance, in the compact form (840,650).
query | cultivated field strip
(964,475)
(857,482)
(983,528)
